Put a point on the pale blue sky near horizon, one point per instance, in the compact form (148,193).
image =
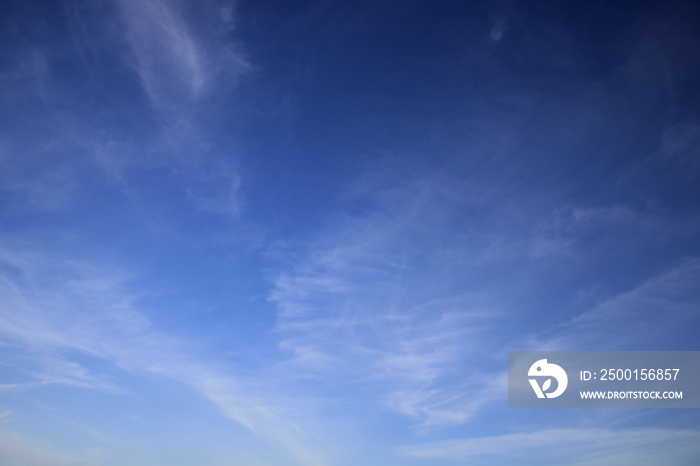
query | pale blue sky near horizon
(309,232)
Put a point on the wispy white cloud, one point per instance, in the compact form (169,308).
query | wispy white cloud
(450,404)
(499,28)
(177,65)
(66,372)
(188,67)
(216,189)
(54,307)
(379,299)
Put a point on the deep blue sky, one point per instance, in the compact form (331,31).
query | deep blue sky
(308,233)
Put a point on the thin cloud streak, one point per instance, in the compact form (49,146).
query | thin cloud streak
(176,67)
(578,446)
(653,313)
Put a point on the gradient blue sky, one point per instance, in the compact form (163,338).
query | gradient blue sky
(309,232)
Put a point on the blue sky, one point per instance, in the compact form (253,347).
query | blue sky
(309,232)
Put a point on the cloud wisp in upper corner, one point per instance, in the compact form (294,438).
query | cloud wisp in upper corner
(179,63)
(189,68)
(134,98)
